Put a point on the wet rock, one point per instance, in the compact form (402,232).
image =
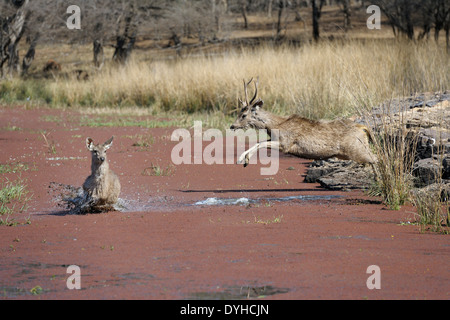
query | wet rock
(426,171)
(336,174)
(320,168)
(446,167)
(439,191)
(347,180)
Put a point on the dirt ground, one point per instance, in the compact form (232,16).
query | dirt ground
(164,246)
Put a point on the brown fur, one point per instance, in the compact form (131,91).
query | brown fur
(52,65)
(81,74)
(102,186)
(305,138)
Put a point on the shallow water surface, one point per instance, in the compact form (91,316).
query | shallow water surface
(246,201)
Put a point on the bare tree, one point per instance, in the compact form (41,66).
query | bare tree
(316,13)
(447,33)
(243,4)
(399,14)
(11,31)
(405,15)
(281,6)
(295,6)
(126,33)
(346,8)
(441,12)
(29,56)
(193,19)
(269,8)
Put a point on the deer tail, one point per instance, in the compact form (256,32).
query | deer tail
(367,132)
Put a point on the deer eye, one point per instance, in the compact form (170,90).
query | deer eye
(244,116)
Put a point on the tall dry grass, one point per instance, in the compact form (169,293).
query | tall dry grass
(317,81)
(395,148)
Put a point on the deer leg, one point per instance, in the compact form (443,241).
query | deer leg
(245,157)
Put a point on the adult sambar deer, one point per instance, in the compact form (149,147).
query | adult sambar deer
(301,137)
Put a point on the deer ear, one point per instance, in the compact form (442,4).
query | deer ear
(108,143)
(89,143)
(257,105)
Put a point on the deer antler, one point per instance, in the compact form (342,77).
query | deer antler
(246,103)
(256,91)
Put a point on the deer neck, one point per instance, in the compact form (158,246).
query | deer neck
(99,170)
(271,121)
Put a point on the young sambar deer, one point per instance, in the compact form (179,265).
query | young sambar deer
(102,187)
(343,139)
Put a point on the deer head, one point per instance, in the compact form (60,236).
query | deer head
(98,151)
(248,116)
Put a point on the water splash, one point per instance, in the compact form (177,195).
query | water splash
(246,201)
(219,202)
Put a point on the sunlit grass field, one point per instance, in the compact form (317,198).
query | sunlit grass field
(323,81)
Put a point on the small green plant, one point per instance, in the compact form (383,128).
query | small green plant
(12,128)
(154,170)
(143,141)
(51,147)
(13,167)
(36,290)
(269,221)
(126,122)
(51,118)
(14,198)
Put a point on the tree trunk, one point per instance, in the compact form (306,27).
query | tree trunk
(269,8)
(315,19)
(280,15)
(11,30)
(124,46)
(125,41)
(409,23)
(436,34)
(447,37)
(29,56)
(13,60)
(244,13)
(347,14)
(215,11)
(99,58)
(2,54)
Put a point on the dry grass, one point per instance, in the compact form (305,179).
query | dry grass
(317,81)
(433,208)
(395,149)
